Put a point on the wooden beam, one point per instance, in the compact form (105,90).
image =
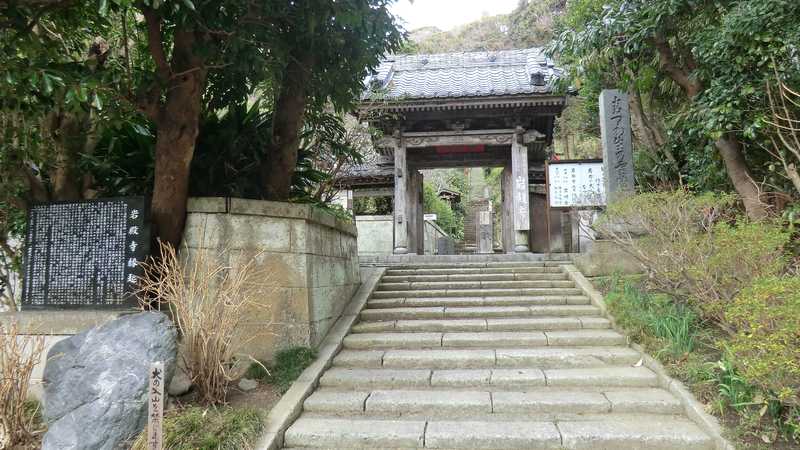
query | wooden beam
(374,192)
(442,138)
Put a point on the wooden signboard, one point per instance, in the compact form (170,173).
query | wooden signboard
(576,184)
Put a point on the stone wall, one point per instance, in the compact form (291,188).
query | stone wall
(307,256)
(53,326)
(376,236)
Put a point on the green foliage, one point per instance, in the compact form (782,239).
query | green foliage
(230,151)
(529,25)
(695,247)
(196,428)
(766,347)
(445,217)
(752,374)
(734,391)
(285,368)
(373,206)
(702,66)
(668,328)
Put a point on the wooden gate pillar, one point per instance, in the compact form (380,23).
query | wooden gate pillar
(521,195)
(416,214)
(401,183)
(507,191)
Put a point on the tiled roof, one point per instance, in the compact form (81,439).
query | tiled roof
(455,75)
(369,168)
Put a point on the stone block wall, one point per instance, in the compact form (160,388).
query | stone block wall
(376,236)
(53,326)
(307,258)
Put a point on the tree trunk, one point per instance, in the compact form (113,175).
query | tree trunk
(177,124)
(68,131)
(281,156)
(743,182)
(794,176)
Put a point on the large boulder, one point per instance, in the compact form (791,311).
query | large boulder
(96,381)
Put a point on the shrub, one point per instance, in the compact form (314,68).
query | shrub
(767,342)
(18,356)
(694,247)
(197,428)
(208,300)
(287,366)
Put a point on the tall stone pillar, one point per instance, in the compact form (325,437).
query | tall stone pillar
(401,244)
(521,195)
(615,130)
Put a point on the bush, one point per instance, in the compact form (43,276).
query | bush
(208,299)
(18,356)
(767,342)
(286,368)
(695,247)
(208,429)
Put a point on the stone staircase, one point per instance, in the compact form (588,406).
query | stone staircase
(488,356)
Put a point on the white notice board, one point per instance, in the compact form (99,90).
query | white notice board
(575,184)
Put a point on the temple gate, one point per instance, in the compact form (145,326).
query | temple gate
(484,109)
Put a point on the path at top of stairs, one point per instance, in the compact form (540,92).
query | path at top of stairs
(488,356)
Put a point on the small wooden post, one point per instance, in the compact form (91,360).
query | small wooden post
(155,416)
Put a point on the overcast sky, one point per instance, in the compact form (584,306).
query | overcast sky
(447,14)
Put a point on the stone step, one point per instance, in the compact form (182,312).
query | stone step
(484,339)
(500,324)
(343,433)
(473,271)
(457,374)
(467,358)
(478,301)
(530,276)
(636,432)
(471,285)
(432,404)
(498,292)
(457,312)
(483,265)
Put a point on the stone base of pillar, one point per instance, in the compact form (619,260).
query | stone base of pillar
(521,241)
(400,250)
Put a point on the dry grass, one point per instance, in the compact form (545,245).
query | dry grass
(18,356)
(208,299)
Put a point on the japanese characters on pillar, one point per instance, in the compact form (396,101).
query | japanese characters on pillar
(84,254)
(521,194)
(615,127)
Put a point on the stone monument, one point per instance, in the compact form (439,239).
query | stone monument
(485,235)
(84,254)
(615,128)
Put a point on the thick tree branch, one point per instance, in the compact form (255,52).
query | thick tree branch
(154,43)
(670,65)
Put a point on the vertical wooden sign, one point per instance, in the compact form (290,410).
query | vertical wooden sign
(155,416)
